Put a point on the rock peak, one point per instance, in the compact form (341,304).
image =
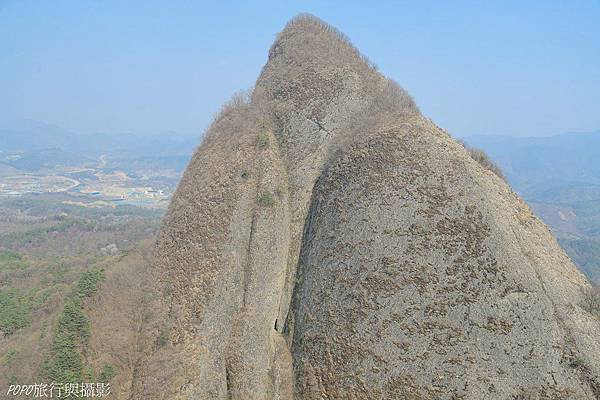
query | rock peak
(305,22)
(310,36)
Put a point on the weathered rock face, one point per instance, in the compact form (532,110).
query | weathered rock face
(329,242)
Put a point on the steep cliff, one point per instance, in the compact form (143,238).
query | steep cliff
(327,241)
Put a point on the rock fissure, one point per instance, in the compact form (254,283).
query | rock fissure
(247,272)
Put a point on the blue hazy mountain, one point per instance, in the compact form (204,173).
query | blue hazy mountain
(568,162)
(33,145)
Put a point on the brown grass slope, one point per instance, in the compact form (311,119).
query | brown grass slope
(53,248)
(329,242)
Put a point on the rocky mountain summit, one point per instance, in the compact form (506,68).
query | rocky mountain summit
(328,241)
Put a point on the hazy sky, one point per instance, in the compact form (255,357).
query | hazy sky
(519,68)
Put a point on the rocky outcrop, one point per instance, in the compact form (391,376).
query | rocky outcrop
(327,241)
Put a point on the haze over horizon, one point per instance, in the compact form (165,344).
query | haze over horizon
(520,69)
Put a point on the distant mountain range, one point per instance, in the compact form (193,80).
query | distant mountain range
(567,163)
(559,176)
(40,145)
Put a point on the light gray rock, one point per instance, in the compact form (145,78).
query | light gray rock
(425,277)
(110,250)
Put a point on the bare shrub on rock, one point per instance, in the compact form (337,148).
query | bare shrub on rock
(591,300)
(484,160)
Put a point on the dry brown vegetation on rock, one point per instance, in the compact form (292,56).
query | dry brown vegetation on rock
(484,160)
(591,300)
(302,24)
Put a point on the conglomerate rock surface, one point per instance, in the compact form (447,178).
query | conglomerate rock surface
(327,241)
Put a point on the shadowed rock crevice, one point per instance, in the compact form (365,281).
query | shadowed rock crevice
(327,241)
